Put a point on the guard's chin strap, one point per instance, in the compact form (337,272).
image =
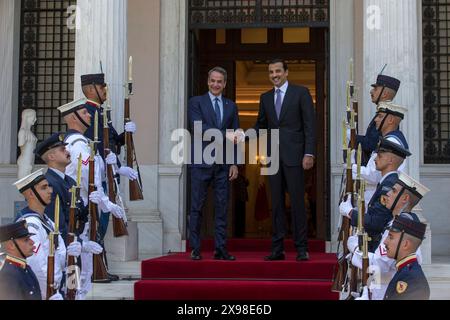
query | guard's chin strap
(382,123)
(38,196)
(100,100)
(81,119)
(379,96)
(377,103)
(18,249)
(397,199)
(398,245)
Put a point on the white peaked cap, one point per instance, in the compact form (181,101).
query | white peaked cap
(413,185)
(72,106)
(30,180)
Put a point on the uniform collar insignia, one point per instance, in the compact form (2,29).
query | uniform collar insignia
(16,262)
(94,103)
(404,262)
(401,287)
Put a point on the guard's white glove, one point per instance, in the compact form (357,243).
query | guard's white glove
(357,259)
(352,243)
(56,297)
(117,211)
(365,294)
(100,199)
(111,159)
(74,249)
(346,207)
(92,247)
(128,172)
(130,127)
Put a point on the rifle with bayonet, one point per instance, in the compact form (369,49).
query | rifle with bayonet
(339,280)
(99,273)
(52,287)
(344,232)
(119,226)
(358,187)
(363,239)
(135,185)
(73,278)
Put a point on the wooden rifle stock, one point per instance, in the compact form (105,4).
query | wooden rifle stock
(99,269)
(71,260)
(135,187)
(342,265)
(51,268)
(119,227)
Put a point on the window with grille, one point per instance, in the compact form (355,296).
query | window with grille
(436,69)
(47,62)
(216,14)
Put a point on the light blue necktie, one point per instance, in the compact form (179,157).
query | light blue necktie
(218,116)
(278,104)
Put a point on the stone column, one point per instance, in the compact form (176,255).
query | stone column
(173,102)
(9,74)
(391,35)
(341,50)
(102,36)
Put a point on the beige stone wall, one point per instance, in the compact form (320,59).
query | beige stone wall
(144,46)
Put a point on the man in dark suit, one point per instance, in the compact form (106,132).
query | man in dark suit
(211,111)
(289,109)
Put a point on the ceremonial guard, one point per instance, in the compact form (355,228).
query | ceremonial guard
(17,279)
(78,120)
(95,90)
(37,193)
(53,152)
(391,153)
(387,121)
(402,198)
(384,90)
(409,283)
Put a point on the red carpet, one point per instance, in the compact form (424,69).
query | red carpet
(176,277)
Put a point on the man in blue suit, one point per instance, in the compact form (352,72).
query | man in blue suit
(211,111)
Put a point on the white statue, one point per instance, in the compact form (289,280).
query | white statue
(27,143)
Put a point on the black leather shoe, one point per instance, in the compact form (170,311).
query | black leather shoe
(222,254)
(102,281)
(303,256)
(113,277)
(275,256)
(195,255)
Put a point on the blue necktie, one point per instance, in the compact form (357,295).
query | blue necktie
(278,104)
(218,116)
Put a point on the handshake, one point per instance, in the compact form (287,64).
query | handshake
(236,137)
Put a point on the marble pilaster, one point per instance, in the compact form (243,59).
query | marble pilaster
(172,116)
(391,36)
(9,71)
(341,50)
(102,36)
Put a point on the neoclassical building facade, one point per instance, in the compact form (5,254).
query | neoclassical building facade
(44,48)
